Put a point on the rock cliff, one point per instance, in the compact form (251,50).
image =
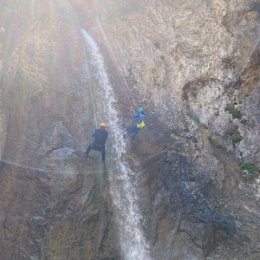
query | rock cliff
(52,202)
(193,65)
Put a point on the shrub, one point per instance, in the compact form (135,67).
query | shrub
(196,119)
(216,143)
(249,171)
(233,111)
(221,205)
(236,137)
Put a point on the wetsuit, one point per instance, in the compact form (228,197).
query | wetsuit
(100,137)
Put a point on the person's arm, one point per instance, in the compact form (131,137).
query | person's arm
(94,133)
(136,115)
(106,137)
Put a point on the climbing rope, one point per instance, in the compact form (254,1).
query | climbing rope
(89,83)
(39,170)
(116,64)
(17,165)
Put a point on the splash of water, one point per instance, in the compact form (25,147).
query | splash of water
(133,243)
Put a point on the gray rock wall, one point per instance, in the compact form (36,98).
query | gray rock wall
(194,65)
(53,204)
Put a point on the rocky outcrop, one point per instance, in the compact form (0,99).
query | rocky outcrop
(194,65)
(190,62)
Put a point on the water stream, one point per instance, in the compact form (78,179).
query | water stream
(128,216)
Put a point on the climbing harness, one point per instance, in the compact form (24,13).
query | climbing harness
(116,64)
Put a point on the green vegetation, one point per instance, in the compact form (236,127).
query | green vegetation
(221,206)
(233,111)
(236,136)
(195,118)
(249,171)
(216,143)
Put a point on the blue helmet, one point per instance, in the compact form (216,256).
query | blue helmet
(140,110)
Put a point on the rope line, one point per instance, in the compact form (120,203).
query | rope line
(89,83)
(39,170)
(18,165)
(111,52)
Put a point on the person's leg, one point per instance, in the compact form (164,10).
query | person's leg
(103,153)
(134,131)
(127,132)
(89,149)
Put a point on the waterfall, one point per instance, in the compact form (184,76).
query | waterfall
(128,216)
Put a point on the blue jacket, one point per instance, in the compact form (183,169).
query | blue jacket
(139,117)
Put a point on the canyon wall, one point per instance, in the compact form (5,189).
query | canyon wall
(193,65)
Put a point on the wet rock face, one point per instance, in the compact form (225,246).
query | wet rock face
(190,62)
(23,202)
(52,205)
(194,65)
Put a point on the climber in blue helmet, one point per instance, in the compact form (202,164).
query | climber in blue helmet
(139,116)
(132,131)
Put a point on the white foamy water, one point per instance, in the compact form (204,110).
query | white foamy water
(128,216)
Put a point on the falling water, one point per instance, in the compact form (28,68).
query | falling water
(133,243)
